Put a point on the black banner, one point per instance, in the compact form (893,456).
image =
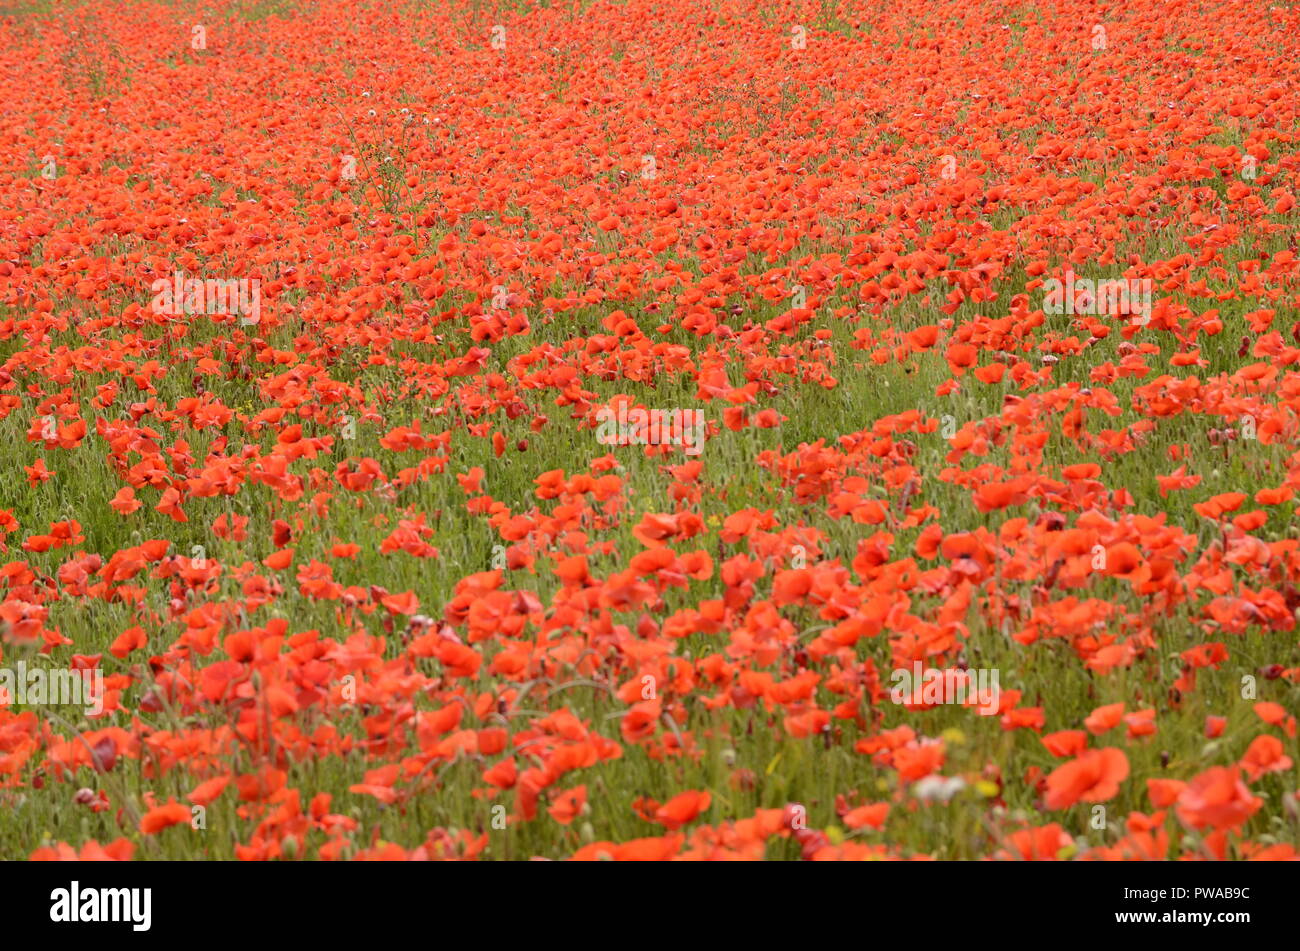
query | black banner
(278,902)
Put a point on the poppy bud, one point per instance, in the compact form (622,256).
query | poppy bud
(742,779)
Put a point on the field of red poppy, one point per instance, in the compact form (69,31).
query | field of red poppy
(613,429)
